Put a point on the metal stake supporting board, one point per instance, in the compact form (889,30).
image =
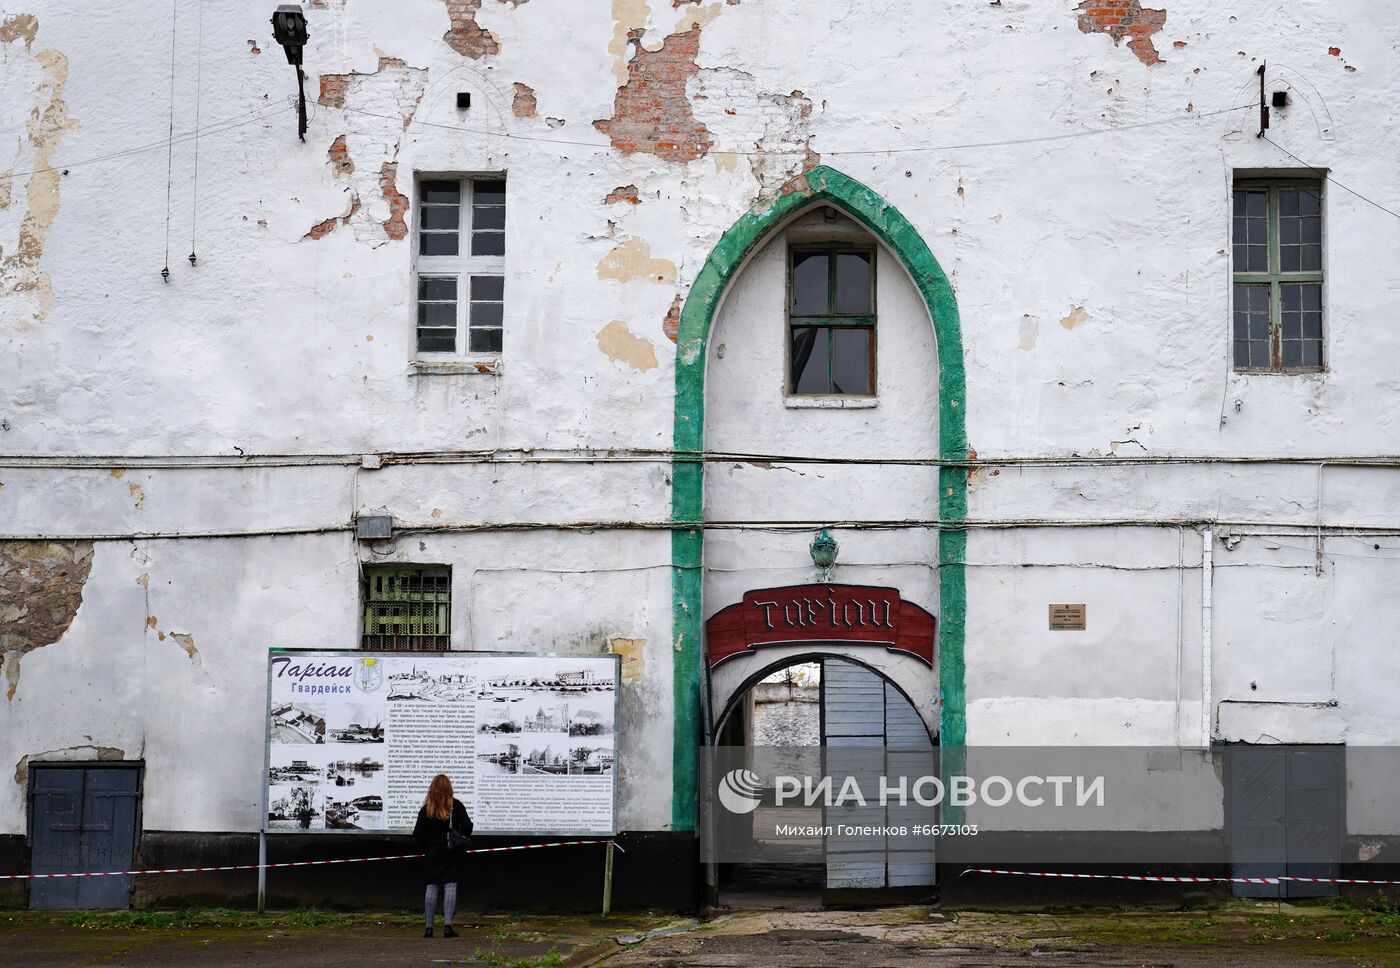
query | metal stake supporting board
(262,872)
(607,880)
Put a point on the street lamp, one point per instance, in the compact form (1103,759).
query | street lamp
(289,29)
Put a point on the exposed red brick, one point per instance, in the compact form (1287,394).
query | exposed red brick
(394,226)
(671,325)
(623,193)
(340,158)
(333,88)
(1124,18)
(322,229)
(524,105)
(651,112)
(253,48)
(1335,51)
(465,36)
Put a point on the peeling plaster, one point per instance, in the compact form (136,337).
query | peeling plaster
(634,657)
(621,345)
(41,589)
(374,209)
(465,35)
(652,112)
(1076,316)
(632,260)
(1029,331)
(671,325)
(1124,18)
(626,15)
(623,193)
(19,25)
(524,104)
(68,754)
(395,227)
(48,120)
(186,642)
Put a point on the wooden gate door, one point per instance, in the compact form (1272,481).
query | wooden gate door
(83,818)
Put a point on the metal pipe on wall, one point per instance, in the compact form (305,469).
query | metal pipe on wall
(1207,702)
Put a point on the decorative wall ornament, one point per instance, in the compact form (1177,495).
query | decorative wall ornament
(824,550)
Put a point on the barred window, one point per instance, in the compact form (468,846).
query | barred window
(408,608)
(1277,245)
(460,267)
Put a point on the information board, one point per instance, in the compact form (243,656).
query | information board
(354,738)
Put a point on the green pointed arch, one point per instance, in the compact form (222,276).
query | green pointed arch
(827,185)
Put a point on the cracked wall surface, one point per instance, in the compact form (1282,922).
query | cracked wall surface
(365,156)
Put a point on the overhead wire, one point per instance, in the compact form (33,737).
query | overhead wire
(170,147)
(1327,176)
(261,113)
(198,76)
(1006,142)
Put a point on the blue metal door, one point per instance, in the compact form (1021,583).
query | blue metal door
(82,819)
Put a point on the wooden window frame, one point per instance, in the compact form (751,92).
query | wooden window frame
(440,602)
(463,267)
(831,319)
(1275,278)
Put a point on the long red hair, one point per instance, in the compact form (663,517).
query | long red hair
(439,799)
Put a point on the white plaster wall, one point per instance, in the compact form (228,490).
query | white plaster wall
(1092,280)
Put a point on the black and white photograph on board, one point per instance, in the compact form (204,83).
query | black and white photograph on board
(297,722)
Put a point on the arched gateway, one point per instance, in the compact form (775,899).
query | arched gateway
(821,186)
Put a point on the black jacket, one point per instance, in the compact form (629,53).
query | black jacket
(439,865)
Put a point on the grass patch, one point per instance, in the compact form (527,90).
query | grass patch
(550,959)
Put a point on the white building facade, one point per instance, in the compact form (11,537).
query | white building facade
(613,305)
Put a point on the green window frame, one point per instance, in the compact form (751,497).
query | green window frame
(836,329)
(407,608)
(1277,236)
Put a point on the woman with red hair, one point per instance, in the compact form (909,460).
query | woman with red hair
(440,815)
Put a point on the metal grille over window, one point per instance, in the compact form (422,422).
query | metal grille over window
(1277,249)
(407,608)
(461,288)
(831,321)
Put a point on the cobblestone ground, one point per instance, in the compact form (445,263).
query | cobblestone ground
(1245,934)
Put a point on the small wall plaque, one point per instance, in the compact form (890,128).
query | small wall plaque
(1067,618)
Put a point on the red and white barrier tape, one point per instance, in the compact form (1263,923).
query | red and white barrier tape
(293,863)
(1170,879)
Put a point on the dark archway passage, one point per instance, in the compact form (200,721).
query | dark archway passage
(824,707)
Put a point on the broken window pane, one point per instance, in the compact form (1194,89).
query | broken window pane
(809,358)
(810,272)
(853,279)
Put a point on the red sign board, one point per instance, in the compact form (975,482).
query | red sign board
(796,614)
